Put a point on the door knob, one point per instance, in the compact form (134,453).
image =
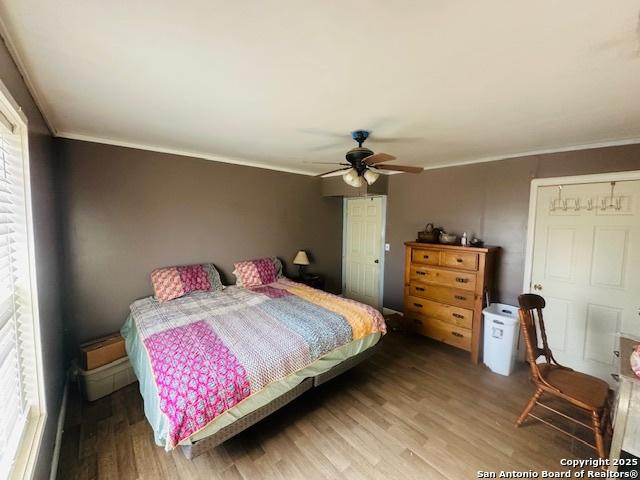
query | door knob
(537,286)
(376,261)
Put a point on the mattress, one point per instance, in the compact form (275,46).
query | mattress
(218,308)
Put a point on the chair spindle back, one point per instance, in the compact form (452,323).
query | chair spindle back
(530,314)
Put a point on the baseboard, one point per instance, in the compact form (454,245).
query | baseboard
(389,311)
(60,429)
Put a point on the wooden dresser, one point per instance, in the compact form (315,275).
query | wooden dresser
(444,287)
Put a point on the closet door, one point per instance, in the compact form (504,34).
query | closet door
(363,247)
(586,264)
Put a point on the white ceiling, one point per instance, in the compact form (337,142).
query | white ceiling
(259,82)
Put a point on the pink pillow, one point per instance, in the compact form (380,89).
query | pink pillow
(252,273)
(174,282)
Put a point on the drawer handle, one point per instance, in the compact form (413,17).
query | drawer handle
(459,297)
(459,260)
(426,257)
(419,305)
(456,334)
(615,376)
(420,289)
(421,273)
(461,280)
(457,315)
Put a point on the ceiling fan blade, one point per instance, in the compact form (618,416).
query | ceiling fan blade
(374,139)
(328,146)
(400,168)
(378,158)
(333,171)
(327,163)
(326,133)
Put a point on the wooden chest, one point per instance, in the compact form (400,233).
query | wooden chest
(444,291)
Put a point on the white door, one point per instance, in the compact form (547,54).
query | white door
(363,249)
(586,264)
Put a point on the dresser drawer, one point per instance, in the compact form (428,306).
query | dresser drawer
(428,257)
(442,331)
(447,295)
(446,313)
(439,276)
(463,260)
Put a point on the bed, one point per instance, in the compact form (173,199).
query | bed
(211,364)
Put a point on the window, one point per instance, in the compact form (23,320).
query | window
(21,412)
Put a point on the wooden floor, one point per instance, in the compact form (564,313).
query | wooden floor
(416,410)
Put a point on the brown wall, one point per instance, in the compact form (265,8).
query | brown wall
(490,200)
(129,211)
(43,166)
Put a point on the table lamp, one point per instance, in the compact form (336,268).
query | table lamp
(301,260)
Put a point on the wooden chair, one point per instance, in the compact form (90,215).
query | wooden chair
(578,389)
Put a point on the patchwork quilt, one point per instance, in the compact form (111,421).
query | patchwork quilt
(208,351)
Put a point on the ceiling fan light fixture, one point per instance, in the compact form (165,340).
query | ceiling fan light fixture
(351,178)
(357,182)
(360,161)
(350,175)
(370,176)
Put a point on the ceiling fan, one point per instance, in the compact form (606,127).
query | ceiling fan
(363,163)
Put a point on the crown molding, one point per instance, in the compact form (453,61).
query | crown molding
(182,153)
(14,51)
(38,98)
(543,151)
(249,163)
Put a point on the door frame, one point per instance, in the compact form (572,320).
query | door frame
(383,230)
(554,181)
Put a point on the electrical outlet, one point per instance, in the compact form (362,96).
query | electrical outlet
(387,247)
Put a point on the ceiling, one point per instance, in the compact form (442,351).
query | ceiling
(280,83)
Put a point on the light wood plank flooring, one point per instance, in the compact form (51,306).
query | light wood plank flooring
(418,409)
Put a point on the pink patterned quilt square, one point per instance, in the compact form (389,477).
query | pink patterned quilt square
(197,377)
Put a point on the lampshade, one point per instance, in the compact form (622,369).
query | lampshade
(370,176)
(301,258)
(356,182)
(350,176)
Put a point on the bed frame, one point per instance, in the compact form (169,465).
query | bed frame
(225,433)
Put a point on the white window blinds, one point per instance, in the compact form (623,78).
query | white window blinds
(18,366)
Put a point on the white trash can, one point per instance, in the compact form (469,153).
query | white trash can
(501,332)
